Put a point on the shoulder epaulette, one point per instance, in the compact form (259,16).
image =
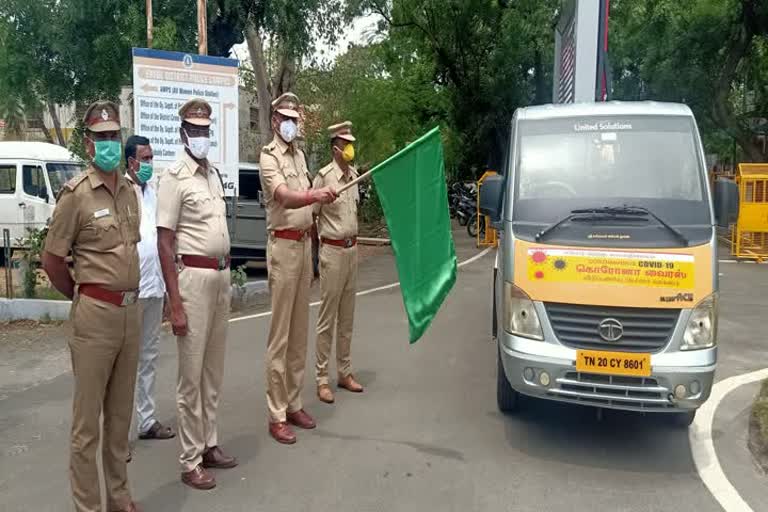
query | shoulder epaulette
(175,167)
(269,147)
(76,181)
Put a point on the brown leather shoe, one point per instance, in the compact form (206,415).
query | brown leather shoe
(215,458)
(325,394)
(199,479)
(282,432)
(301,419)
(350,384)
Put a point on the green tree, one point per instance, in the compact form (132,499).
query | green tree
(709,54)
(488,60)
(280,33)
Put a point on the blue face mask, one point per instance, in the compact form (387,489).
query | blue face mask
(107,154)
(145,172)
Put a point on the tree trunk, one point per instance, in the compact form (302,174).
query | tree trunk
(38,123)
(56,123)
(542,93)
(285,78)
(263,95)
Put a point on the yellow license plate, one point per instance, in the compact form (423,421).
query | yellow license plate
(613,363)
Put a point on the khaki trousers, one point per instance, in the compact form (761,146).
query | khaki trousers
(338,285)
(289,264)
(105,351)
(205,294)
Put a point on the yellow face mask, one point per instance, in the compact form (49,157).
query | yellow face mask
(349,153)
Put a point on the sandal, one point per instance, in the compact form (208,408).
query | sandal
(158,431)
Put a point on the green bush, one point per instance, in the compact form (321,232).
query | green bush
(238,276)
(32,247)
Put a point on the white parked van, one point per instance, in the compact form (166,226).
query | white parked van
(31,175)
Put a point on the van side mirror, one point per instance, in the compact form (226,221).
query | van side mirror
(726,202)
(492,197)
(44,195)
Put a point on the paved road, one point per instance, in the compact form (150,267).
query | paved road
(426,435)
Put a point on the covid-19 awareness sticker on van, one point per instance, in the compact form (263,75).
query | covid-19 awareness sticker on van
(666,278)
(623,268)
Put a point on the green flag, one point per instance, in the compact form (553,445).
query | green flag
(413,193)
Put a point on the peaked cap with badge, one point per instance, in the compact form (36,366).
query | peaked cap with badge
(287,104)
(342,131)
(196,111)
(102,116)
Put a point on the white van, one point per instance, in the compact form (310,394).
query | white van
(31,175)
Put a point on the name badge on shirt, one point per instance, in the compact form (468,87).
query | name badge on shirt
(101,213)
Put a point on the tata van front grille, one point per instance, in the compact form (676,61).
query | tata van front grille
(634,393)
(612,328)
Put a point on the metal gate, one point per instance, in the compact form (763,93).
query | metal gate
(749,237)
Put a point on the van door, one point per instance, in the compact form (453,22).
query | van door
(35,196)
(9,201)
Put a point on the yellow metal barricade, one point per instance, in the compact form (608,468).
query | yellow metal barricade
(486,237)
(749,236)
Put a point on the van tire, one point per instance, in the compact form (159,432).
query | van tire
(507,398)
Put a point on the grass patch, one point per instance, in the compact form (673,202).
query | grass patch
(758,427)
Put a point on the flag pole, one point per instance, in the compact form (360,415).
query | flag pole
(356,181)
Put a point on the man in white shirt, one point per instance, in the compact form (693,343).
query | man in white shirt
(138,159)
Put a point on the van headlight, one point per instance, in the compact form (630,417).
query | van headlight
(520,316)
(701,330)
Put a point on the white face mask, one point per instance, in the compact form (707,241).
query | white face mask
(198,146)
(288,130)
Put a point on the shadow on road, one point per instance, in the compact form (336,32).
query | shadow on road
(620,440)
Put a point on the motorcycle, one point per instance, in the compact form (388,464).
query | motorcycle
(473,224)
(462,201)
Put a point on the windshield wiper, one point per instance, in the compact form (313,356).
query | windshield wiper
(635,210)
(587,214)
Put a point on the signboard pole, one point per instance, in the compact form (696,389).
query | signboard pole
(149,24)
(202,27)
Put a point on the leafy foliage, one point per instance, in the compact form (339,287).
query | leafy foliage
(32,246)
(709,54)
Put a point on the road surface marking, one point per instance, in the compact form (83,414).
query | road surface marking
(703,447)
(364,292)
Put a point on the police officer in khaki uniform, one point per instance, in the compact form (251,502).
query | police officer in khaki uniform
(289,196)
(337,227)
(97,219)
(193,243)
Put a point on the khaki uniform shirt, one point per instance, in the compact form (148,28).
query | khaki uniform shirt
(190,201)
(337,220)
(100,229)
(284,164)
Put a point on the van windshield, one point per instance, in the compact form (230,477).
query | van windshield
(652,158)
(571,163)
(60,173)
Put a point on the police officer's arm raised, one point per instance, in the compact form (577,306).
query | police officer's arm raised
(62,231)
(284,196)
